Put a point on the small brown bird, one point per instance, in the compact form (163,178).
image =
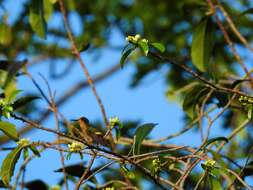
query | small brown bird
(82,129)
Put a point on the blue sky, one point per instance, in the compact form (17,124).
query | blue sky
(146,103)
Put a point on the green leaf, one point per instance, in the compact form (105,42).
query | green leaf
(9,129)
(5,34)
(37,19)
(202,44)
(249,108)
(210,141)
(215,183)
(34,150)
(9,164)
(143,44)
(160,47)
(25,153)
(125,55)
(141,133)
(53,1)
(83,46)
(48,9)
(12,96)
(23,101)
(192,98)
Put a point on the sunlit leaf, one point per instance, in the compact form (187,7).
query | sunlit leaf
(48,9)
(202,44)
(160,47)
(37,19)
(215,183)
(141,133)
(9,163)
(9,129)
(143,44)
(5,34)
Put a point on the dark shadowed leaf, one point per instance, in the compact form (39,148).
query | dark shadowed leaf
(23,101)
(36,18)
(141,133)
(2,185)
(34,150)
(9,129)
(192,98)
(160,47)
(36,184)
(77,170)
(248,11)
(248,170)
(125,55)
(210,141)
(202,44)
(9,163)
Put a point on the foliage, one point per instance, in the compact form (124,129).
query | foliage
(203,49)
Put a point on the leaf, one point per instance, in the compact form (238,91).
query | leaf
(143,44)
(215,183)
(36,184)
(141,133)
(83,47)
(248,11)
(202,44)
(210,141)
(53,1)
(2,185)
(160,47)
(249,108)
(9,164)
(11,97)
(73,170)
(37,19)
(77,170)
(192,98)
(34,150)
(48,9)
(247,170)
(9,129)
(5,34)
(125,55)
(24,101)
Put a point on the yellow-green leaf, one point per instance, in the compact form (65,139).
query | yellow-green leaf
(37,19)
(143,44)
(9,163)
(160,47)
(48,9)
(9,129)
(202,44)
(5,34)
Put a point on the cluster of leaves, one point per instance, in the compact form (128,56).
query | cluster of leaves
(192,38)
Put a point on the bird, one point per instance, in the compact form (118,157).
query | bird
(81,128)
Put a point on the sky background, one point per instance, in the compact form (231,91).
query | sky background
(146,103)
